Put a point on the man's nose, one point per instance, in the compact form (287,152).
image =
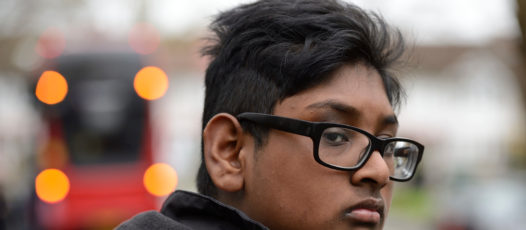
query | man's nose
(375,172)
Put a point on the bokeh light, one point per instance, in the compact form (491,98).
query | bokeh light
(51,43)
(144,38)
(52,185)
(151,83)
(51,87)
(160,179)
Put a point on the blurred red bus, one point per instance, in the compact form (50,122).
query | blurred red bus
(100,137)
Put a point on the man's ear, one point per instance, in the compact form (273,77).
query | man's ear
(223,141)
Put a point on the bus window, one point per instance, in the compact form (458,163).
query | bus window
(102,117)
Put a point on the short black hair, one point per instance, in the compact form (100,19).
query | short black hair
(266,51)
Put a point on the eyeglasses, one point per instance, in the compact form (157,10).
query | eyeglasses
(347,148)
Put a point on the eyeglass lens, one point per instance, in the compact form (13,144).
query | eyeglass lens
(347,148)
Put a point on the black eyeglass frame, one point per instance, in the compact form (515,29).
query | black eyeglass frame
(314,130)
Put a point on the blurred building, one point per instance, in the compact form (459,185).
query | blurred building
(465,104)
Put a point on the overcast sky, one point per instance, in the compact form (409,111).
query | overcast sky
(427,21)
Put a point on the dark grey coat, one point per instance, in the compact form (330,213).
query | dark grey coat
(184,210)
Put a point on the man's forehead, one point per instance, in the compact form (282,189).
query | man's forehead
(350,84)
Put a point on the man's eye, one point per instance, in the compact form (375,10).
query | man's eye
(402,152)
(334,137)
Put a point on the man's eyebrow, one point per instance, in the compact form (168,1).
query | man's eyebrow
(350,110)
(335,105)
(390,120)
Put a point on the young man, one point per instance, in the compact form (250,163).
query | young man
(299,130)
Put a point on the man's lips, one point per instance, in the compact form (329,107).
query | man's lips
(367,211)
(365,215)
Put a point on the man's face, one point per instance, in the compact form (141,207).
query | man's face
(285,188)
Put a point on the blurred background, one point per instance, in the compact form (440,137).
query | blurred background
(100,108)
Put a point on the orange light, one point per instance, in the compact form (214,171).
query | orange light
(150,83)
(144,38)
(160,179)
(52,185)
(51,88)
(51,43)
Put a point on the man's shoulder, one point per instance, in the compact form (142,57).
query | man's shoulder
(151,220)
(187,210)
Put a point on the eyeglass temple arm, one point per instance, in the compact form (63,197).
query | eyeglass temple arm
(280,123)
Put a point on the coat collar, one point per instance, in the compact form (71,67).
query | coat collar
(202,212)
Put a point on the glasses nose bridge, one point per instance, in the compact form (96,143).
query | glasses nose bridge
(377,145)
